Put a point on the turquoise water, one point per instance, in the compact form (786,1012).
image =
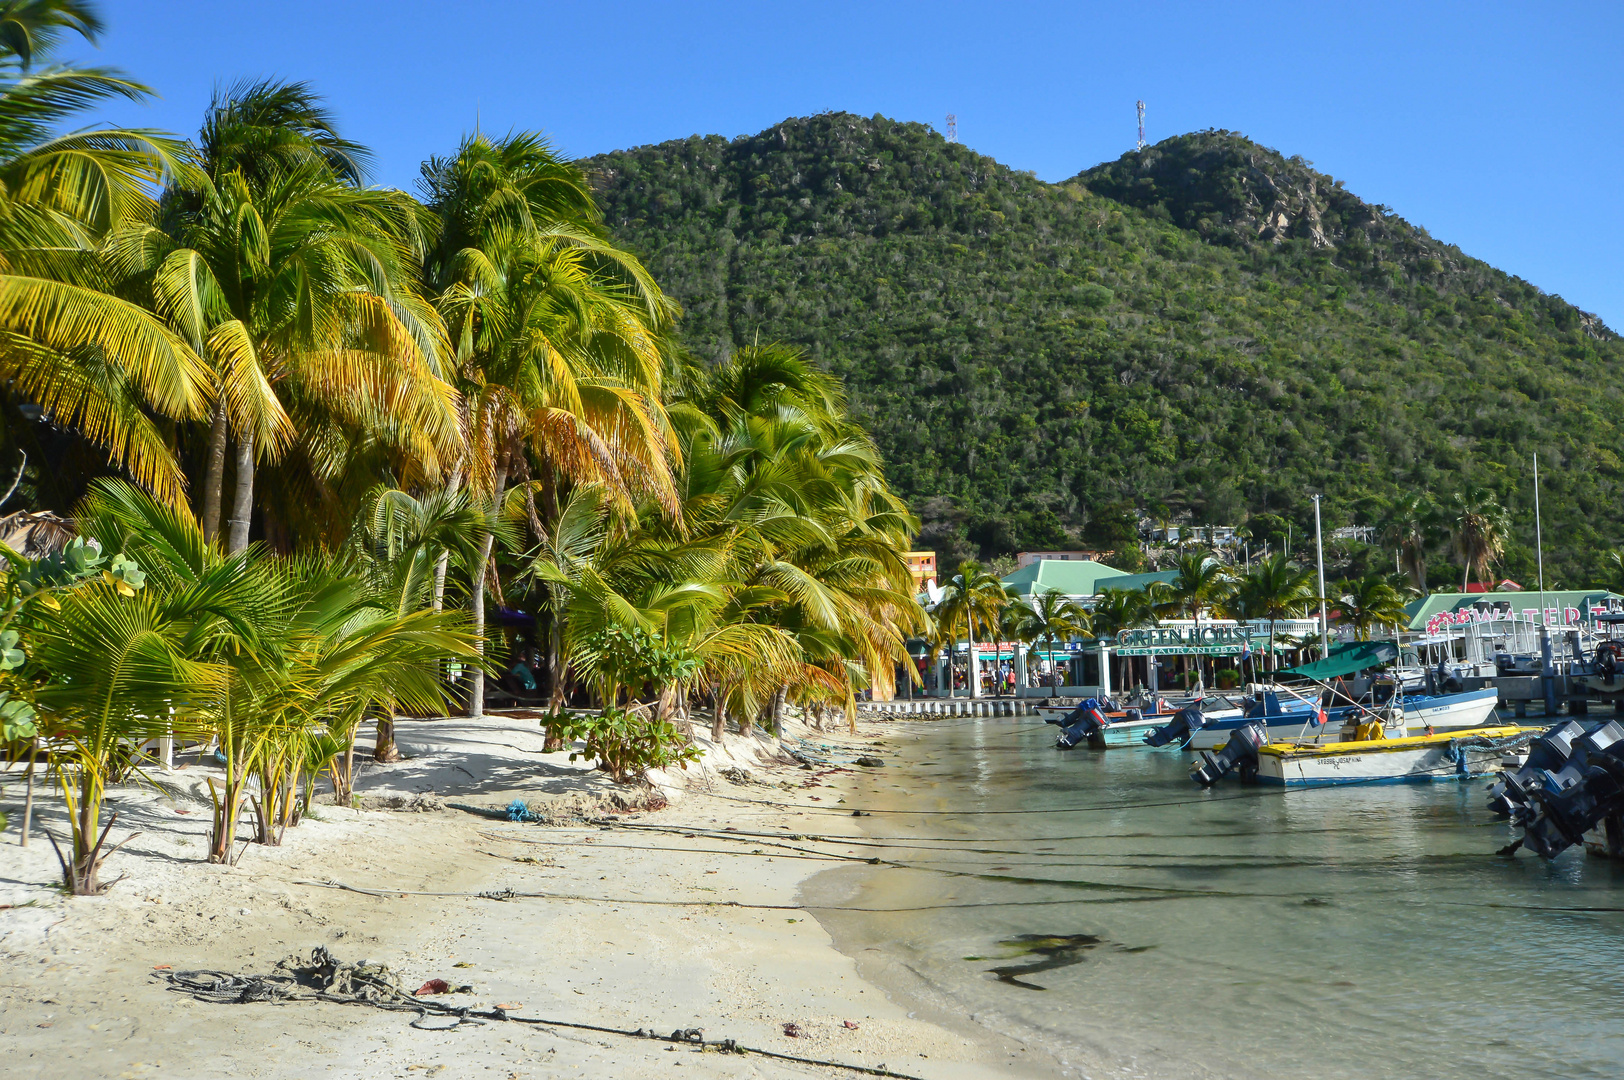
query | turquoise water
(1106,914)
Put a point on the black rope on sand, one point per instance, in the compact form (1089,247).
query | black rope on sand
(323,977)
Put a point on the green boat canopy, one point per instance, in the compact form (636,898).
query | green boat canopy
(1346,659)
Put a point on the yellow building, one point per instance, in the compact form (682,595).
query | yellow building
(922,564)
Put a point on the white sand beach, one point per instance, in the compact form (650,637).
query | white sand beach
(650,943)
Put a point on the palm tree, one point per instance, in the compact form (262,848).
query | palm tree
(1053,616)
(972,596)
(401,543)
(1479,526)
(1369,602)
(559,338)
(1409,524)
(1276,589)
(299,289)
(97,362)
(281,650)
(1198,581)
(1116,610)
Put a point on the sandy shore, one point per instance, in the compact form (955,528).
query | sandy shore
(637,930)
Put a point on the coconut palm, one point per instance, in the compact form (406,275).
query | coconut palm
(402,543)
(1410,523)
(1369,602)
(1116,610)
(97,362)
(1053,617)
(1479,527)
(1276,588)
(299,289)
(293,649)
(1198,581)
(559,338)
(972,597)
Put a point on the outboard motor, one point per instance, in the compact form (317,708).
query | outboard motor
(1550,752)
(1086,722)
(1239,753)
(1066,720)
(1556,806)
(1186,722)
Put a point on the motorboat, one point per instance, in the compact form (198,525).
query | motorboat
(1368,748)
(1101,724)
(1289,716)
(1445,755)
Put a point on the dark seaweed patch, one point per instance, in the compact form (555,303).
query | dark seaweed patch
(1049,951)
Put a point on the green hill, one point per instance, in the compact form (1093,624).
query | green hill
(1206,327)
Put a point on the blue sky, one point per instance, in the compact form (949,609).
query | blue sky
(1495,126)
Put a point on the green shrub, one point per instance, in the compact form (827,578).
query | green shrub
(624,743)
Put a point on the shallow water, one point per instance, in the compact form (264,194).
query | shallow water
(1106,913)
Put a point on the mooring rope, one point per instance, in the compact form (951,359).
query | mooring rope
(323,977)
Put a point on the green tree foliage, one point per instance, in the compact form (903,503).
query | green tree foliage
(1208,325)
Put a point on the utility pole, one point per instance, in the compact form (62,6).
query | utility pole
(1319,546)
(1141,107)
(1547,666)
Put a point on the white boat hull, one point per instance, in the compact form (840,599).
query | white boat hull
(1453,712)
(1376,763)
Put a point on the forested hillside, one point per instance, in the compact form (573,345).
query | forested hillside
(1206,327)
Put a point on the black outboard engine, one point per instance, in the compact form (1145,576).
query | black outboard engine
(1578,785)
(1086,722)
(1238,754)
(1186,722)
(1549,752)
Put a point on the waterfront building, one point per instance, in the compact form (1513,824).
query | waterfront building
(1027,558)
(922,565)
(1553,608)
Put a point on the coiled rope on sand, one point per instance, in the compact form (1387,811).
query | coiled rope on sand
(323,977)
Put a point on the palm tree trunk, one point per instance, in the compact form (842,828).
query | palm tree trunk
(443,563)
(778,711)
(344,785)
(383,747)
(242,499)
(476,695)
(555,672)
(214,477)
(972,666)
(719,717)
(476,598)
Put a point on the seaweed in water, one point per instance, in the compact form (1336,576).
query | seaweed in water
(1049,951)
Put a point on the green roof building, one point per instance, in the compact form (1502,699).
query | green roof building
(1563,607)
(1080,579)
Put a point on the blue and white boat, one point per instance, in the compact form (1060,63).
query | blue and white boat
(1292,719)
(1102,724)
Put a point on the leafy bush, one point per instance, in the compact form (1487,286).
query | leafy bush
(624,742)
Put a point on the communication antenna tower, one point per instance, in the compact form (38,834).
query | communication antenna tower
(952,127)
(1141,105)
